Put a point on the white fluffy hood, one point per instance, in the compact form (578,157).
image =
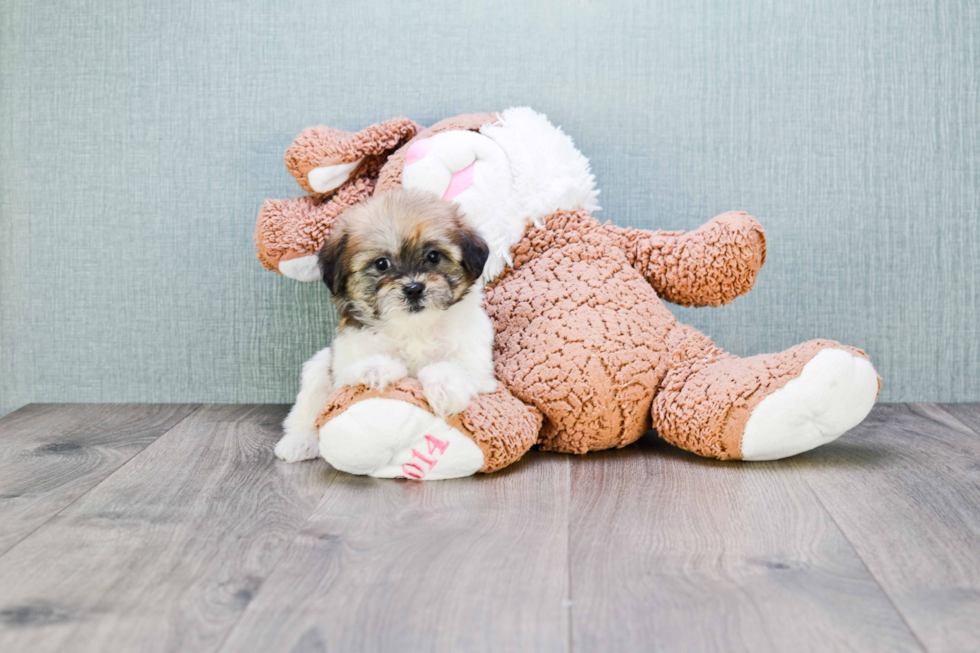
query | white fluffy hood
(549,173)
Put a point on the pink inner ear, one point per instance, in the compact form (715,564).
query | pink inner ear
(460,182)
(418,151)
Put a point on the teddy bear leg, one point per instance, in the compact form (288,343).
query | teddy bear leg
(394,434)
(762,407)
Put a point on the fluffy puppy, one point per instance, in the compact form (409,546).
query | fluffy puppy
(403,271)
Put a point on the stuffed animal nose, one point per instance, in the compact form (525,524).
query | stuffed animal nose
(413,291)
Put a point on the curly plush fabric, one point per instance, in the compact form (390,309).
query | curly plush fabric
(324,146)
(288,229)
(583,336)
(673,262)
(580,334)
(503,427)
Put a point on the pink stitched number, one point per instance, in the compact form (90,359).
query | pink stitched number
(430,463)
(436,443)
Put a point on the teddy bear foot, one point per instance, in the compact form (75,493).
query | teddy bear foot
(833,393)
(389,438)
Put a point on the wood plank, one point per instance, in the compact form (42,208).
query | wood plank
(51,454)
(904,487)
(475,564)
(674,552)
(967,415)
(165,554)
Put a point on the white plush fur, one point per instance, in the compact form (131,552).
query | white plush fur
(549,173)
(832,394)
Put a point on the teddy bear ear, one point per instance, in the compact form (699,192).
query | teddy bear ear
(323,159)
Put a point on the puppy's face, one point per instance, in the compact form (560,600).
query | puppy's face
(400,252)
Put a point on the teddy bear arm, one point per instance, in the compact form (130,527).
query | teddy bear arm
(710,266)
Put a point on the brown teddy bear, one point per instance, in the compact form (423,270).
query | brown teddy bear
(587,355)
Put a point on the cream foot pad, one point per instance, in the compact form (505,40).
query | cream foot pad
(832,394)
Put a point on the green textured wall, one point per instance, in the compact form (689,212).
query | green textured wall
(138,140)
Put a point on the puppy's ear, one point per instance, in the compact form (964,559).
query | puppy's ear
(332,265)
(474,249)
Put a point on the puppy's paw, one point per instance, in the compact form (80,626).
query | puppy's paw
(376,372)
(446,388)
(298,445)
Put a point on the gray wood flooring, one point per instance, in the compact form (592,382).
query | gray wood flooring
(173,528)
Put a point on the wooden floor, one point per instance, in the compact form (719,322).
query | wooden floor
(172,528)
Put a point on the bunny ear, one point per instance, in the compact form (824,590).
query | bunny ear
(339,169)
(289,233)
(323,159)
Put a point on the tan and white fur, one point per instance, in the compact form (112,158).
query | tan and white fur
(403,269)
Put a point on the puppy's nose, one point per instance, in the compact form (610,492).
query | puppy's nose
(414,290)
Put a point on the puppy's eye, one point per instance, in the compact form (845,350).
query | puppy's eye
(382,264)
(433,257)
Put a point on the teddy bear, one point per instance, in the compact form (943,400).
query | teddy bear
(586,353)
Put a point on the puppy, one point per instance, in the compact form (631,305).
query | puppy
(403,271)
